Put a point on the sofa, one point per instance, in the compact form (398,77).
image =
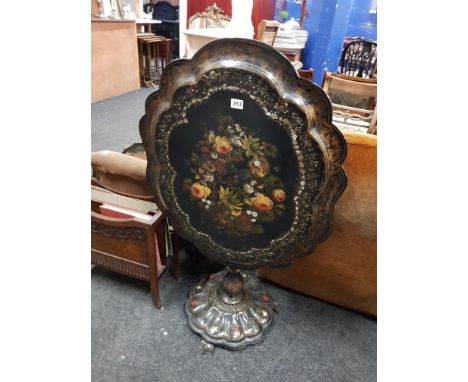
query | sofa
(342,270)
(121,173)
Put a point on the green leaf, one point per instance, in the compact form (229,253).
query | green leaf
(278,211)
(257,229)
(270,151)
(267,216)
(269,181)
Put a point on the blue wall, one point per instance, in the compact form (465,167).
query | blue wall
(328,23)
(361,22)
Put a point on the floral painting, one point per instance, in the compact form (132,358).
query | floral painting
(233,179)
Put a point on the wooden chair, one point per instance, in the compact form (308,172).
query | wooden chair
(267,30)
(347,117)
(358,58)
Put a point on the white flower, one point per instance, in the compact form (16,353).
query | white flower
(208,177)
(214,155)
(235,140)
(253,220)
(254,214)
(248,188)
(249,212)
(203,200)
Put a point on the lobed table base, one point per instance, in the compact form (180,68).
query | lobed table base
(231,309)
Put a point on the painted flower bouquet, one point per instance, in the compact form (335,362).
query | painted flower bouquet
(232,182)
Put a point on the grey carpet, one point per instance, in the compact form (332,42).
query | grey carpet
(114,121)
(310,340)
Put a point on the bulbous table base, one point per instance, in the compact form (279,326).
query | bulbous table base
(231,309)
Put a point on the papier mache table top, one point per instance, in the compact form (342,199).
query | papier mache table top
(242,155)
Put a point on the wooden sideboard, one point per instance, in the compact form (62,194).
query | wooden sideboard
(114,58)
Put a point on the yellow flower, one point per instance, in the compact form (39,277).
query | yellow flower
(200,191)
(236,212)
(261,203)
(230,200)
(222,145)
(259,167)
(278,195)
